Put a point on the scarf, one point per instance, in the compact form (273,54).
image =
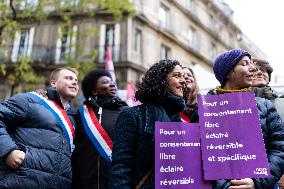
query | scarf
(265,92)
(163,109)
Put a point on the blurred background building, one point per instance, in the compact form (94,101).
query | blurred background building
(191,31)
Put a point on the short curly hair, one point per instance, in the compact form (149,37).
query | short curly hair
(89,82)
(154,83)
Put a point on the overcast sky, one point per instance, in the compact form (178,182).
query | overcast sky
(262,21)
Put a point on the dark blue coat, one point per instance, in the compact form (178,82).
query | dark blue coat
(133,145)
(29,126)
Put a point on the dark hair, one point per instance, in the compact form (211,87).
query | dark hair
(89,82)
(264,65)
(154,83)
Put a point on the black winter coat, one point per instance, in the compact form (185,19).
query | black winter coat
(270,94)
(29,126)
(90,170)
(273,135)
(133,148)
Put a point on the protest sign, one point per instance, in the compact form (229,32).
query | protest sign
(178,162)
(231,137)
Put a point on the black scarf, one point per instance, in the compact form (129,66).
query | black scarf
(163,109)
(172,104)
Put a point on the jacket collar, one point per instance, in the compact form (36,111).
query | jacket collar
(54,96)
(154,113)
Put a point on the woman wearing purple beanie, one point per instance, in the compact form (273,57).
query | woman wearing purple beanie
(234,70)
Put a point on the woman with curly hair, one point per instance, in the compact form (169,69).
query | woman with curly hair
(161,93)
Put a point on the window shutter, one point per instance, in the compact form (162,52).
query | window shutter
(58,45)
(102,42)
(116,42)
(15,50)
(73,40)
(30,41)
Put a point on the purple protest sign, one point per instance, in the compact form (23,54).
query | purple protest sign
(178,163)
(231,137)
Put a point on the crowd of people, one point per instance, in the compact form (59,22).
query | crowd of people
(46,143)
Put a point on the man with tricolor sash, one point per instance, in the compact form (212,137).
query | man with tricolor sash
(36,135)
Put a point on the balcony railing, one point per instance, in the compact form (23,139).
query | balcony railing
(47,55)
(116,50)
(38,53)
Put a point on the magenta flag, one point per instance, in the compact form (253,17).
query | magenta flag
(178,162)
(109,64)
(130,96)
(231,137)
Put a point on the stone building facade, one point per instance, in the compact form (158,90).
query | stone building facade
(191,31)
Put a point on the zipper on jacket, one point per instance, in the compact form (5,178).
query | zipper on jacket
(100,112)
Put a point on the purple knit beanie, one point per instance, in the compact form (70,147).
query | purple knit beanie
(226,61)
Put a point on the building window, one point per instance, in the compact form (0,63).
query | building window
(22,44)
(211,23)
(192,37)
(164,17)
(109,37)
(213,51)
(136,2)
(68,3)
(25,4)
(66,43)
(165,52)
(190,5)
(138,41)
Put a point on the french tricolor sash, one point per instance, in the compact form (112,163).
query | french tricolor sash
(96,132)
(184,117)
(60,115)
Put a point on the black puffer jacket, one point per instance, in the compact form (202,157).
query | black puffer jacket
(29,126)
(90,170)
(273,135)
(133,148)
(270,94)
